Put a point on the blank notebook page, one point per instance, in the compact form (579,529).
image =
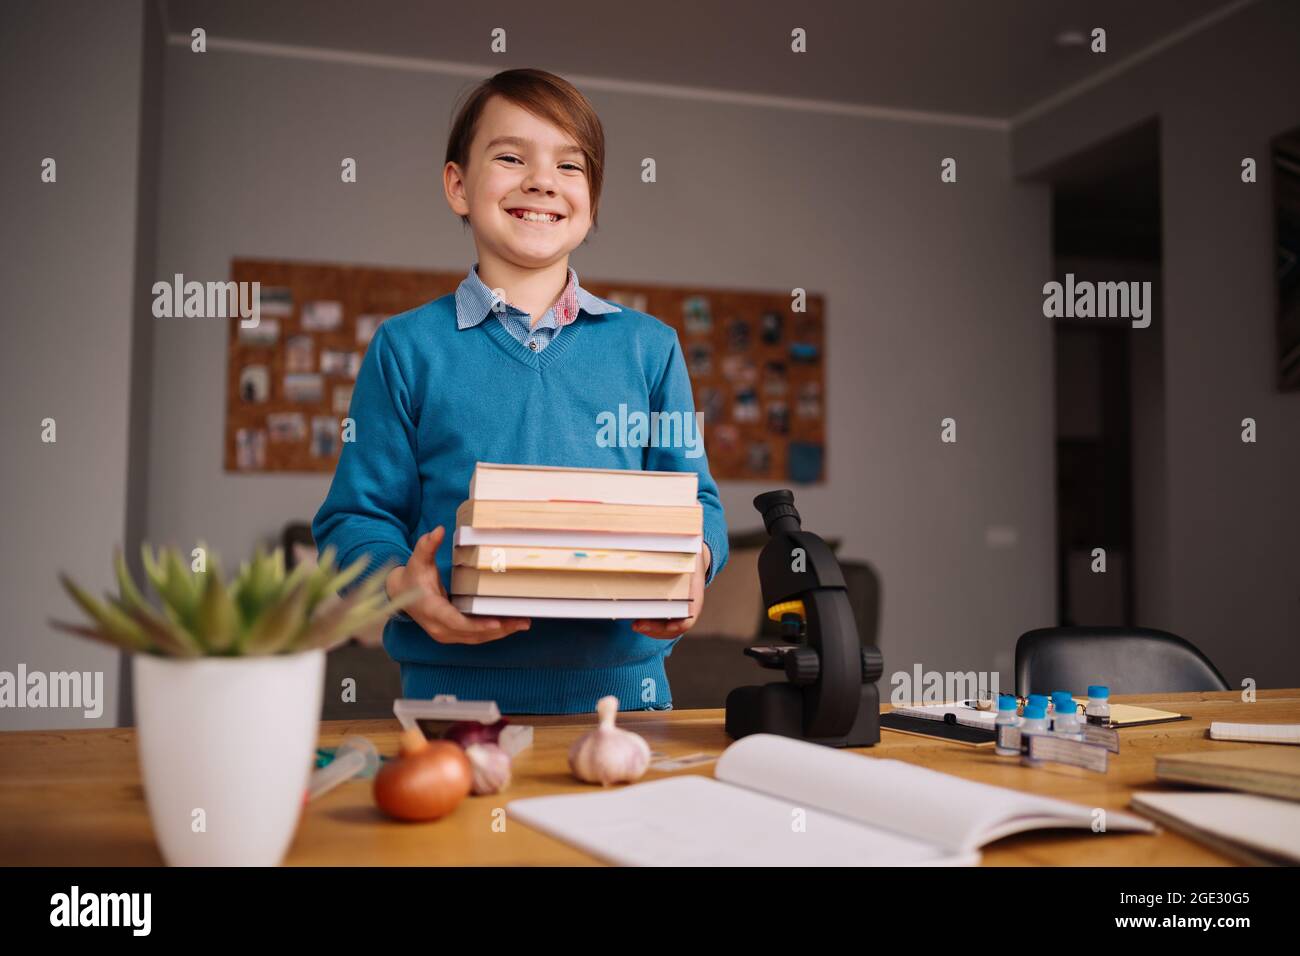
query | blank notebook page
(695,821)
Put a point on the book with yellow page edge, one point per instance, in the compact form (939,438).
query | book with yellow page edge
(573,559)
(581,516)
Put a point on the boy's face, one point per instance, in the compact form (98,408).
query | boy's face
(519,162)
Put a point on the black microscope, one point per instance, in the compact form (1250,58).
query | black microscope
(829,694)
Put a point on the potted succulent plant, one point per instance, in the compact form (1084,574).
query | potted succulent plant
(228,684)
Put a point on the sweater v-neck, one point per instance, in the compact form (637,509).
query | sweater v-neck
(538,361)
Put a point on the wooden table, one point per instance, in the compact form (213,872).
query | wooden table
(74,797)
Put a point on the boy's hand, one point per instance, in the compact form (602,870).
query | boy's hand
(433,612)
(667,629)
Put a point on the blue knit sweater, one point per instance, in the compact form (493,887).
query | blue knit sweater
(430,400)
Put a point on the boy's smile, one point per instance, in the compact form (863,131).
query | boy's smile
(525,190)
(538,216)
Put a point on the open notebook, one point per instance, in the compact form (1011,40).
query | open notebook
(776,801)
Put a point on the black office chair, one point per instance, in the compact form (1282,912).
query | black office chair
(1128,660)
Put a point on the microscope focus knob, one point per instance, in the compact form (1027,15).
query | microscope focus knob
(873,664)
(802,666)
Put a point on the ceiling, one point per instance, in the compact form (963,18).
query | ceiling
(981,58)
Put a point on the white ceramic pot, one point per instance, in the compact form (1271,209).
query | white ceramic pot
(233,737)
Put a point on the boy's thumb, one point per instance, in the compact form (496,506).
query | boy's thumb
(430,542)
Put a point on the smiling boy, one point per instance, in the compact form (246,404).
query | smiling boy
(518,365)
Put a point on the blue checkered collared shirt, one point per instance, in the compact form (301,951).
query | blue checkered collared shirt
(474,301)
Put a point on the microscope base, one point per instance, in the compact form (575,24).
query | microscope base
(777,708)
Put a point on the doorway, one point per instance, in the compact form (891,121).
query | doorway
(1109,388)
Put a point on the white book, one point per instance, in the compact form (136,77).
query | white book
(630,609)
(1255,733)
(776,801)
(620,540)
(615,486)
(1256,830)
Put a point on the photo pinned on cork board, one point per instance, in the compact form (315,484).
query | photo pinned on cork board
(757,369)
(325,317)
(757,366)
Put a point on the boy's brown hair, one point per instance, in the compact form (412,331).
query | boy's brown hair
(545,95)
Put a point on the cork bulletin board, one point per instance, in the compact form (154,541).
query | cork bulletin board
(757,368)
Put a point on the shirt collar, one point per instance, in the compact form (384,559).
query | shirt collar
(474,301)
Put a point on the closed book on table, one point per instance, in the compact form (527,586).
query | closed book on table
(1271,771)
(581,516)
(513,558)
(606,585)
(609,485)
(1259,831)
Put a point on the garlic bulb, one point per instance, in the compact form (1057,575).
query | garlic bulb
(491,768)
(609,754)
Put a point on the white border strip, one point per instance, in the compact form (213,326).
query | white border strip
(1123,66)
(668,90)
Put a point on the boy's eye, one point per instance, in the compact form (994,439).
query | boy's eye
(573,166)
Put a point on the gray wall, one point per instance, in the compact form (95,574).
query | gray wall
(932,293)
(73,81)
(1232,523)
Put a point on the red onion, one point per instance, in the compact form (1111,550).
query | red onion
(470,732)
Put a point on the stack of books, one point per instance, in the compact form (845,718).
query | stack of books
(541,541)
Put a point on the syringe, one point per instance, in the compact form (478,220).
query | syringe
(356,755)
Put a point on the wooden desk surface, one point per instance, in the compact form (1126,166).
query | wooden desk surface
(74,798)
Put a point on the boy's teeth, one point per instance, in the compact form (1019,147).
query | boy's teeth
(536,216)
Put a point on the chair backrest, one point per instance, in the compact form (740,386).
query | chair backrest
(1128,660)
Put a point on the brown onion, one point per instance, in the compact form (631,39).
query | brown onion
(427,781)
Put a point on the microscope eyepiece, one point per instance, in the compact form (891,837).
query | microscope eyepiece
(778,511)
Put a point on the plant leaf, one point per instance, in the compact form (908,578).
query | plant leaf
(279,626)
(116,625)
(255,592)
(303,572)
(152,569)
(336,583)
(126,585)
(167,633)
(182,594)
(94,634)
(218,616)
(326,628)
